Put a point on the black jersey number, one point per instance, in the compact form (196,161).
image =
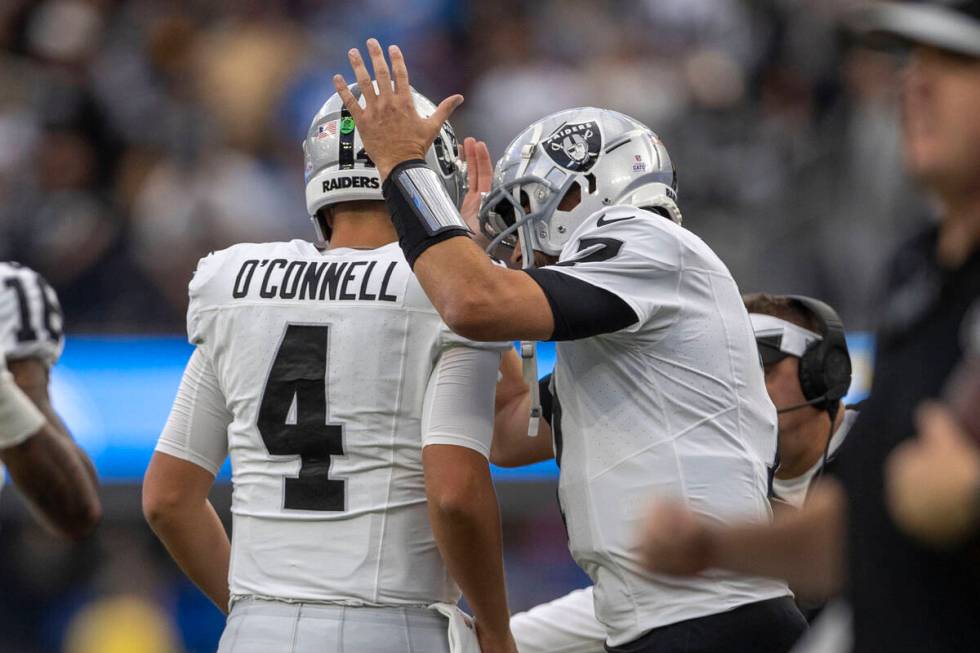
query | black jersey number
(605,249)
(299,373)
(27,332)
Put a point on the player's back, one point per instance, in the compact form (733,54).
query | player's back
(323,359)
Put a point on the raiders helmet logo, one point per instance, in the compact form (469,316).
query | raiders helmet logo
(575,147)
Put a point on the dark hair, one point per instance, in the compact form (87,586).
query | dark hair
(785,308)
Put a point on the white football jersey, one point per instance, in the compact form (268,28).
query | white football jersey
(320,362)
(31,323)
(674,405)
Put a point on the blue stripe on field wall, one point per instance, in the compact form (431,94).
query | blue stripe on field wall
(115,394)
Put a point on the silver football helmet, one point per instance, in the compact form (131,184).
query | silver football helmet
(337,169)
(614,159)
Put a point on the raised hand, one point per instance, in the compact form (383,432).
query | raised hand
(479,175)
(391,129)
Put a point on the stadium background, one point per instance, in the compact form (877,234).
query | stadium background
(138,135)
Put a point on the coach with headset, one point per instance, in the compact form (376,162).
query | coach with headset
(808,371)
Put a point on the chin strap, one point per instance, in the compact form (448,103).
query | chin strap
(529,348)
(529,364)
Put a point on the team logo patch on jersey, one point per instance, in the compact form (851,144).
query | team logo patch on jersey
(575,147)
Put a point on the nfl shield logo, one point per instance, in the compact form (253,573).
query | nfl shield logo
(575,147)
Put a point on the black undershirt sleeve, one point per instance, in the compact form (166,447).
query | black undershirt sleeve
(544,396)
(581,310)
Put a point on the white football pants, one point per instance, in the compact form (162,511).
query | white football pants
(261,626)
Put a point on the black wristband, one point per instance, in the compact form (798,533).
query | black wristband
(420,208)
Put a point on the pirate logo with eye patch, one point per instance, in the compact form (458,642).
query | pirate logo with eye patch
(575,147)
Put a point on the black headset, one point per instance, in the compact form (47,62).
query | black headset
(825,367)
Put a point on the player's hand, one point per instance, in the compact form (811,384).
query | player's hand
(391,129)
(479,176)
(495,643)
(932,483)
(676,540)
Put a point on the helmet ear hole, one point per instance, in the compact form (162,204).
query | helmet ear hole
(571,199)
(591,179)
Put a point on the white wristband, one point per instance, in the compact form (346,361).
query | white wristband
(19,417)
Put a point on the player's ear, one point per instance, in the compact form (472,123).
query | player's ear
(328,216)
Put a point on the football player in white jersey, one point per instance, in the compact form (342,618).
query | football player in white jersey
(358,427)
(45,463)
(794,335)
(658,388)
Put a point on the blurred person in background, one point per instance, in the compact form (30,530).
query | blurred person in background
(932,482)
(47,466)
(909,568)
(358,425)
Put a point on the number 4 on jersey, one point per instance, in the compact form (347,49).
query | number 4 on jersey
(299,373)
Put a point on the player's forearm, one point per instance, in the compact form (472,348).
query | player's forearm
(803,547)
(196,539)
(52,476)
(512,447)
(480,300)
(466,525)
(32,377)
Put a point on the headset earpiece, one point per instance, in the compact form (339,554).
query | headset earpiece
(825,367)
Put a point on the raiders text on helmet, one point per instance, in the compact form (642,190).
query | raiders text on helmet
(338,170)
(614,159)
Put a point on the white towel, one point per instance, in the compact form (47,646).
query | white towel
(462,631)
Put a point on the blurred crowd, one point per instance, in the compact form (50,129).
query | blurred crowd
(138,135)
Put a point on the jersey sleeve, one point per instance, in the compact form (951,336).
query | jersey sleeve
(31,323)
(200,293)
(632,254)
(197,428)
(459,399)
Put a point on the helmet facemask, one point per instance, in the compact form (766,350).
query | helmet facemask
(530,207)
